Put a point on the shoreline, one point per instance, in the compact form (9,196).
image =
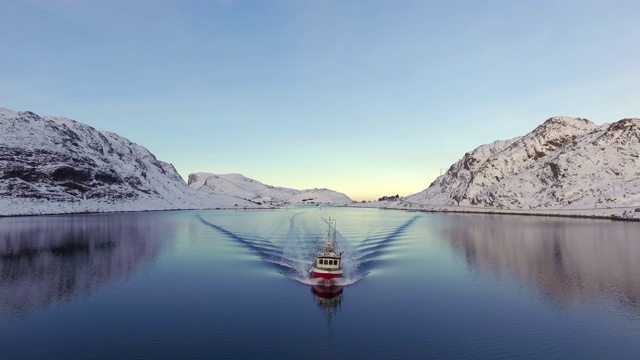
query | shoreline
(606,213)
(612,217)
(141,210)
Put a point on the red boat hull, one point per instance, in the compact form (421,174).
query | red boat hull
(316,275)
(326,292)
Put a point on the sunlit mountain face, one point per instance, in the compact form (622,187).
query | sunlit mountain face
(54,165)
(565,163)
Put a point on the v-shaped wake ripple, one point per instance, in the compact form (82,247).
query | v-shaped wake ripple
(293,253)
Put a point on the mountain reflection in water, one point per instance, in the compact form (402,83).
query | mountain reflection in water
(571,261)
(48,260)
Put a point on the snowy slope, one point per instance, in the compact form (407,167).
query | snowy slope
(57,165)
(565,163)
(242,187)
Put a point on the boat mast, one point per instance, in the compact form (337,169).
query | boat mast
(334,231)
(331,237)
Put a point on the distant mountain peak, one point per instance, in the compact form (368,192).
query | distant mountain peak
(242,187)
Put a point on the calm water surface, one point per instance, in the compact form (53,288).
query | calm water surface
(231,284)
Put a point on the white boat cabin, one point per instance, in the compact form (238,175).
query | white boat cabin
(328,263)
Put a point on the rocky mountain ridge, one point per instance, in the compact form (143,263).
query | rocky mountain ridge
(567,163)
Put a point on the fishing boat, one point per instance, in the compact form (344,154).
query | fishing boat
(328,263)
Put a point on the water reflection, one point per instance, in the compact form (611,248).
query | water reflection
(328,299)
(570,261)
(45,261)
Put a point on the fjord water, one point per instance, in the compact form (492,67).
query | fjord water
(234,284)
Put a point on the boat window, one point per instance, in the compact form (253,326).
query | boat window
(324,262)
(333,262)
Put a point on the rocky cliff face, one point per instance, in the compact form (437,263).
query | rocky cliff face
(563,163)
(61,159)
(57,165)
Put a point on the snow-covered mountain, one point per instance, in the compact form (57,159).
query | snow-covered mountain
(56,165)
(252,190)
(565,163)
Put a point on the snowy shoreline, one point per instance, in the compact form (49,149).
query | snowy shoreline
(33,207)
(625,213)
(126,211)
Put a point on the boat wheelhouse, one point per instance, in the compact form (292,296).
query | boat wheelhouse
(328,263)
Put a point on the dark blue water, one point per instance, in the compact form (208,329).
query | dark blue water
(234,284)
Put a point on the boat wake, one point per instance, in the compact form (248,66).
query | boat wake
(293,249)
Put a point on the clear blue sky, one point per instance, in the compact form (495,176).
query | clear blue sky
(369,98)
